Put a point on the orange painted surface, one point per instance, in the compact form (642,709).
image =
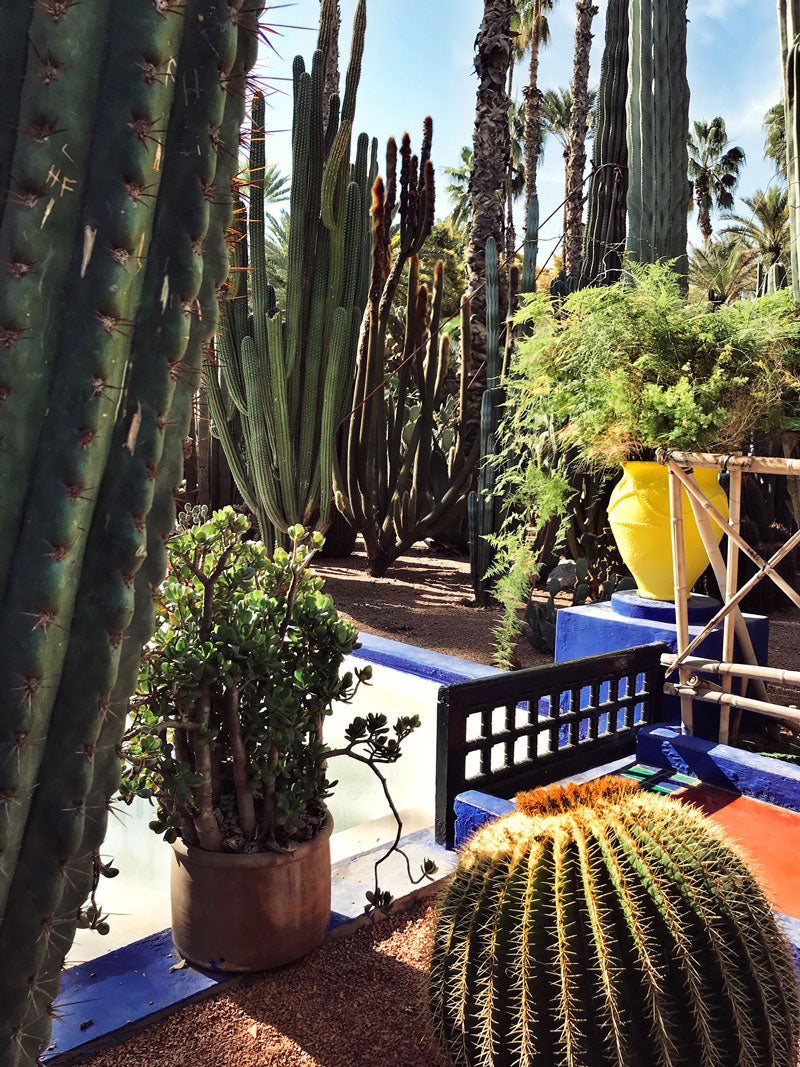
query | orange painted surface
(770,837)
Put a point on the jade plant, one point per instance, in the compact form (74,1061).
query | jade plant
(600,925)
(227,724)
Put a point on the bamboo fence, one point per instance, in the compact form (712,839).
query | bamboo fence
(691,686)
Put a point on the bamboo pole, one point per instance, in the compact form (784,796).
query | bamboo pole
(766,567)
(714,696)
(784,550)
(729,627)
(754,464)
(736,670)
(720,571)
(681,593)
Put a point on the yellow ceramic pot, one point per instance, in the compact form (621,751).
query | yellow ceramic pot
(640,520)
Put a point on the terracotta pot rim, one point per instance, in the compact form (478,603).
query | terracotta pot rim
(226,860)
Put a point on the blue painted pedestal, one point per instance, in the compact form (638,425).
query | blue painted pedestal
(629,620)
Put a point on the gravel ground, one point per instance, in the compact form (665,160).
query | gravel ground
(357,1001)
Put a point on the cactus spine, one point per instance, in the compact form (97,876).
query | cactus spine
(605,229)
(482,506)
(600,926)
(789,22)
(286,375)
(658,129)
(383,485)
(139,232)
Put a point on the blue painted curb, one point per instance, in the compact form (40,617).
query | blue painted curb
(772,780)
(421,662)
(107,1000)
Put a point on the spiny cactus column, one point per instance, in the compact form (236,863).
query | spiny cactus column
(789,22)
(602,926)
(287,374)
(658,129)
(483,507)
(131,239)
(383,487)
(604,242)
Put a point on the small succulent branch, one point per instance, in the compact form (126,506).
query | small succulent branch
(371,733)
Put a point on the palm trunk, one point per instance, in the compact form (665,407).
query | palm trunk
(511,236)
(533,110)
(576,147)
(490,171)
(578,127)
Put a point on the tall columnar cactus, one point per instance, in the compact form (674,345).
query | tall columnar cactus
(384,486)
(286,374)
(601,926)
(116,200)
(789,23)
(658,130)
(483,507)
(604,240)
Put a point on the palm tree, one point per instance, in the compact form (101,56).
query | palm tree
(491,148)
(458,188)
(724,269)
(556,117)
(775,137)
(578,127)
(765,225)
(714,170)
(533,34)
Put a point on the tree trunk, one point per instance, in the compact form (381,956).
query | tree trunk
(576,150)
(511,236)
(332,66)
(490,169)
(533,108)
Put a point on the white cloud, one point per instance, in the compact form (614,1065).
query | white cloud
(719,9)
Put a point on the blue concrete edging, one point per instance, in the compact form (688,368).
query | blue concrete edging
(421,662)
(761,777)
(110,998)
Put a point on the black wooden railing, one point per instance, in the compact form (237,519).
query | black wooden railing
(526,728)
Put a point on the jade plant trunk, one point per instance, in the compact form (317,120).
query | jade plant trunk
(118,147)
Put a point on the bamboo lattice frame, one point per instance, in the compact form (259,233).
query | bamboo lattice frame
(680,467)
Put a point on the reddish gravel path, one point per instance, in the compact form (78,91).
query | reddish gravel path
(355,1002)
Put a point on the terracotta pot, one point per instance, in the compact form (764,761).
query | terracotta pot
(639,515)
(250,912)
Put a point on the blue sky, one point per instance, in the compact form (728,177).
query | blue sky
(418,61)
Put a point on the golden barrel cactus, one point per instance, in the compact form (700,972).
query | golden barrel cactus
(603,926)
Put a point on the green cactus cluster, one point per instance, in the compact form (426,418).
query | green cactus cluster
(483,507)
(384,482)
(280,383)
(117,151)
(658,124)
(604,239)
(601,926)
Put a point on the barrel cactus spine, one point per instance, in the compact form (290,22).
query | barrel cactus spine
(603,925)
(283,374)
(137,337)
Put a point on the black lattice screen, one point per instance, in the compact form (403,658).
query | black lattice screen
(526,728)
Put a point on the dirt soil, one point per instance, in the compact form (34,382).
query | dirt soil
(426,600)
(355,1002)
